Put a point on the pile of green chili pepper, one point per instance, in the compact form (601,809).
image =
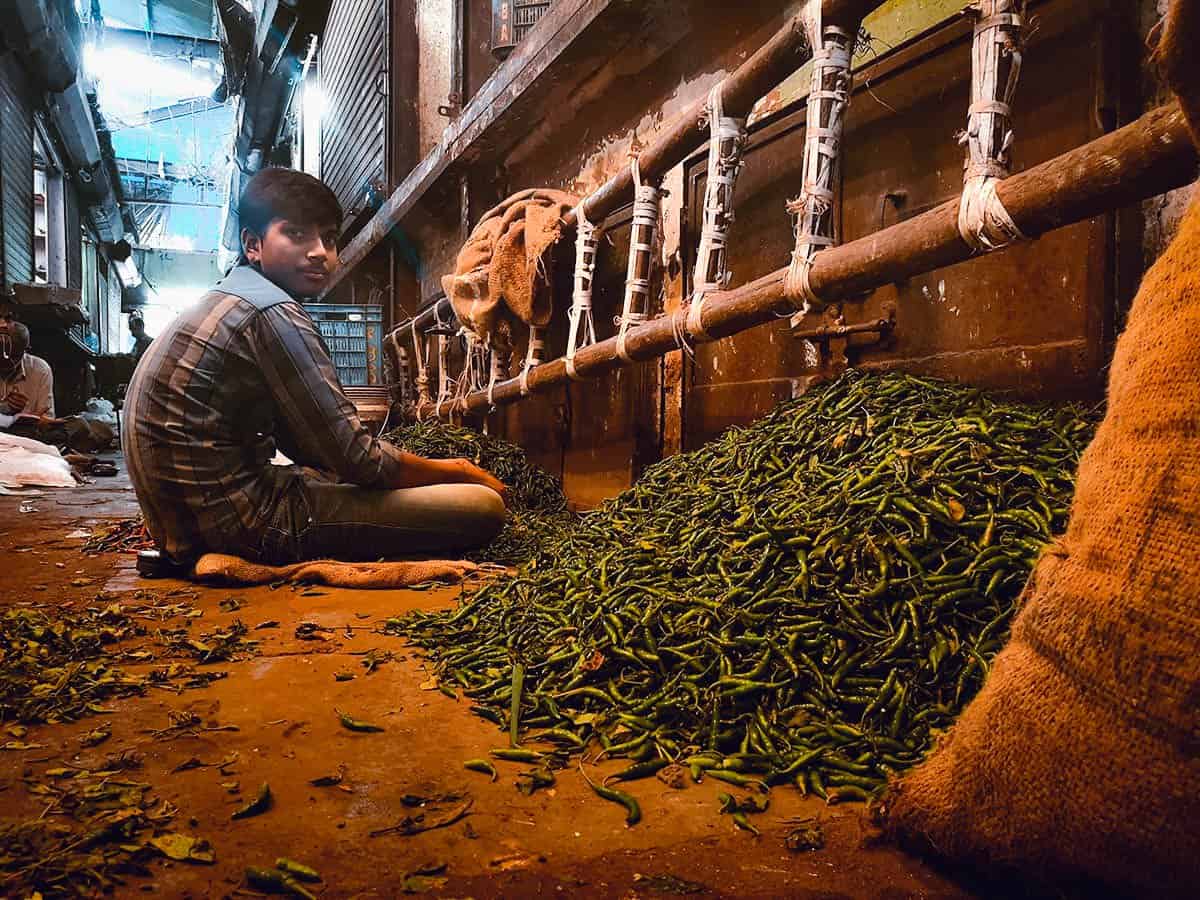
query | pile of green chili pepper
(537,505)
(808,600)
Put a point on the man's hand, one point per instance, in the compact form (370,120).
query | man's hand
(16,401)
(469,473)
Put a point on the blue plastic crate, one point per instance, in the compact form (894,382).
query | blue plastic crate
(354,336)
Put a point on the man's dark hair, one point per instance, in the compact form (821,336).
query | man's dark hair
(18,340)
(278,193)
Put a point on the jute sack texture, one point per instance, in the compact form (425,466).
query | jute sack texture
(498,272)
(1081,754)
(377,575)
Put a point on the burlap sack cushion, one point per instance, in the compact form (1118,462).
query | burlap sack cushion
(378,575)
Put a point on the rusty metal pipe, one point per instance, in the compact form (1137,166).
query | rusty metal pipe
(1148,157)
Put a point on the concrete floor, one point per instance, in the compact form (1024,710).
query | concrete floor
(559,842)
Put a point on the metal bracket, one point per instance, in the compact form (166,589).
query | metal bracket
(829,339)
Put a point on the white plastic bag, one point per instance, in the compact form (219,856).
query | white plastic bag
(24,461)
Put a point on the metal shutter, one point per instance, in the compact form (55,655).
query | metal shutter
(353,66)
(74,235)
(16,173)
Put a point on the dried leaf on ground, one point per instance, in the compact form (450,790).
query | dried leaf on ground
(533,780)
(184,848)
(670,884)
(311,631)
(93,828)
(422,884)
(411,825)
(804,834)
(95,736)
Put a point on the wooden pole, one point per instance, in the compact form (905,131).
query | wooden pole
(774,61)
(1148,157)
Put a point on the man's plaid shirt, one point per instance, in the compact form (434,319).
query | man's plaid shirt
(235,376)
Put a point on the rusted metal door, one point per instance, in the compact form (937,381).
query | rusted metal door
(354,79)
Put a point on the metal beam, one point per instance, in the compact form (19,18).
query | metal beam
(134,201)
(137,168)
(156,44)
(193,106)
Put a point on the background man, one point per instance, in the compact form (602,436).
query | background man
(26,382)
(245,371)
(141,340)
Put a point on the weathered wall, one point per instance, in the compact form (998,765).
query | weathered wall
(983,322)
(1038,318)
(604,432)
(434,35)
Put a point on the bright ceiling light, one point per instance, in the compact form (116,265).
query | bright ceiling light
(314,101)
(130,82)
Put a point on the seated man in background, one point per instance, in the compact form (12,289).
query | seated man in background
(243,372)
(26,382)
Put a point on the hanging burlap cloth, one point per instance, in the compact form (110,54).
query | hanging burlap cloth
(499,269)
(1080,757)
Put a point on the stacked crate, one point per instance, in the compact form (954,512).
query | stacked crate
(354,336)
(512,20)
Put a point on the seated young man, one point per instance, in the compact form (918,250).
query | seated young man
(243,372)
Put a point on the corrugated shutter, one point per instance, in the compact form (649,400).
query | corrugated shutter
(353,65)
(16,173)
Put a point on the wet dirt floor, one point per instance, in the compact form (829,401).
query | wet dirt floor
(562,842)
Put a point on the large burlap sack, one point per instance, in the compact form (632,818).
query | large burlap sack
(1081,754)
(499,270)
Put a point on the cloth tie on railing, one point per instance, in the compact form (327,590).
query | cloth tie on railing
(582,331)
(424,398)
(533,356)
(828,98)
(402,373)
(446,384)
(470,379)
(983,222)
(646,201)
(727,138)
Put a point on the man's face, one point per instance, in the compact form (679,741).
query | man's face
(298,258)
(12,347)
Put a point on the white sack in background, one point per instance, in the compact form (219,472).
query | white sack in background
(24,461)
